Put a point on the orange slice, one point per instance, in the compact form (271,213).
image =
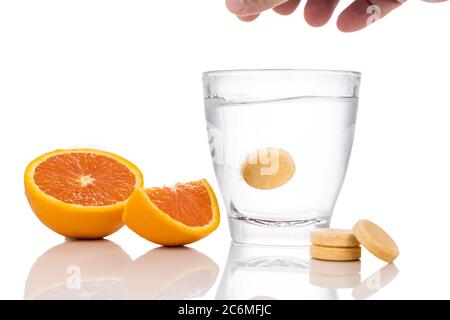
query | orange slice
(81,193)
(173,216)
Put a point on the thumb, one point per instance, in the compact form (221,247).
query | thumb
(251,7)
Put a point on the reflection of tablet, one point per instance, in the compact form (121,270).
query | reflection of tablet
(334,281)
(334,267)
(375,282)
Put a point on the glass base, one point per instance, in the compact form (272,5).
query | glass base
(274,233)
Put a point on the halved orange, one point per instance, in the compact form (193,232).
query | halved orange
(173,216)
(81,193)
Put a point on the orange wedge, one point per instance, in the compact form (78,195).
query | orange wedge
(173,216)
(81,193)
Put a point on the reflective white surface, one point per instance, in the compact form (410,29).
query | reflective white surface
(103,270)
(128,267)
(288,273)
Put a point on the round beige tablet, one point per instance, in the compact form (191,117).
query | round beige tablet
(268,168)
(334,238)
(335,254)
(376,240)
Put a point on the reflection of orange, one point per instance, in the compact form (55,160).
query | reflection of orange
(99,265)
(173,216)
(170,273)
(81,193)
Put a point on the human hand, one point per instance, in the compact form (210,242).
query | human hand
(356,16)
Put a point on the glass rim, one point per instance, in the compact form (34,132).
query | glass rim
(263,71)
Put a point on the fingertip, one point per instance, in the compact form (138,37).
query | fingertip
(344,24)
(362,13)
(287,8)
(317,13)
(354,17)
(315,21)
(235,6)
(248,18)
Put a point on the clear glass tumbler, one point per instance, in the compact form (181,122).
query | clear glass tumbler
(280,142)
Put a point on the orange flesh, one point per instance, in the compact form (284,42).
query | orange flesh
(86,179)
(188,203)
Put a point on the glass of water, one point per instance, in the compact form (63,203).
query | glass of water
(280,141)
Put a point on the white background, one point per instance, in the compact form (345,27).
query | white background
(125,76)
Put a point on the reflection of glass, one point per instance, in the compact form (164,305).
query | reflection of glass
(310,114)
(102,270)
(171,273)
(79,270)
(261,272)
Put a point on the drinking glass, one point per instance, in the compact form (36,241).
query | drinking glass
(280,141)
